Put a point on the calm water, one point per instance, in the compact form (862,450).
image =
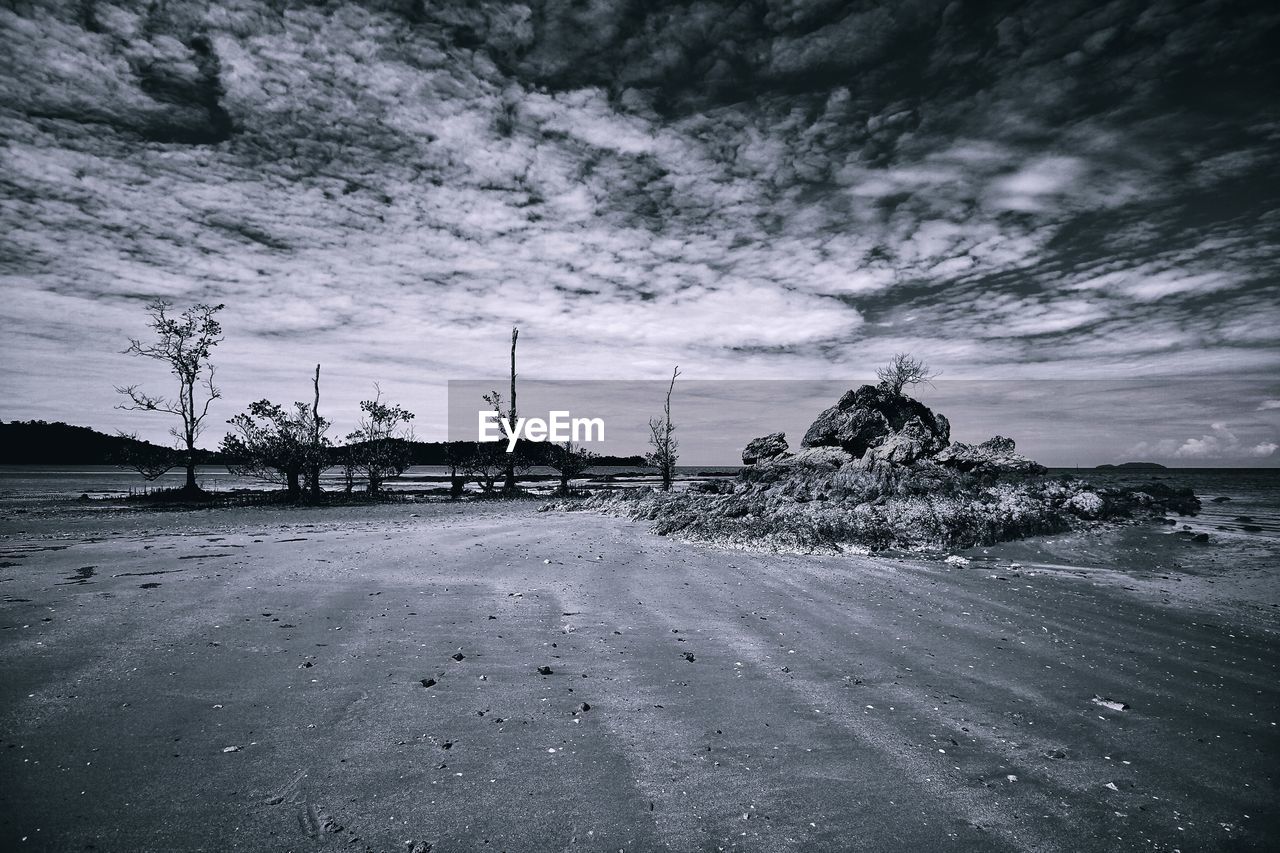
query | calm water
(1253,493)
(26,483)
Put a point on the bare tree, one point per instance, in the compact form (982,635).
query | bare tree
(379,446)
(184,343)
(571,460)
(902,371)
(663,441)
(318,446)
(509,484)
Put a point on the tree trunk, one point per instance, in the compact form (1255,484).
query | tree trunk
(510,485)
(293,484)
(315,440)
(191,464)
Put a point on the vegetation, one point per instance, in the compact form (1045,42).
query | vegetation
(571,461)
(663,440)
(379,446)
(903,371)
(184,343)
(279,445)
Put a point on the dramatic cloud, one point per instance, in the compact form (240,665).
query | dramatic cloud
(763,190)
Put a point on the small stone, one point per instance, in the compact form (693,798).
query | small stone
(544,670)
(429,682)
(458,656)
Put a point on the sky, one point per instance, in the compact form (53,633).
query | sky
(1071,190)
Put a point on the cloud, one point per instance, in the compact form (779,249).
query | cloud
(1064,189)
(1219,443)
(1267,405)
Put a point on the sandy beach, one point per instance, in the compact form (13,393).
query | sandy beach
(254,680)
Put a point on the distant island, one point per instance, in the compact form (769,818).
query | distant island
(1133,466)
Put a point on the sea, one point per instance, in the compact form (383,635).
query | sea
(1242,500)
(21,484)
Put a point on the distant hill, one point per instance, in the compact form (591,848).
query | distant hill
(44,443)
(1132,466)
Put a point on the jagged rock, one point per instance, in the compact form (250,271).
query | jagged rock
(905,447)
(809,462)
(994,456)
(998,444)
(872,416)
(765,448)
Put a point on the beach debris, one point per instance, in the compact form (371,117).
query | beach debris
(428,682)
(226,749)
(582,708)
(458,656)
(957,560)
(1112,786)
(306,665)
(417,847)
(1110,704)
(545,670)
(689,657)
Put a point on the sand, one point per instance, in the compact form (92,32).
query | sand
(253,680)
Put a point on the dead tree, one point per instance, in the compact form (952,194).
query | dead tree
(318,449)
(509,484)
(663,441)
(903,370)
(184,344)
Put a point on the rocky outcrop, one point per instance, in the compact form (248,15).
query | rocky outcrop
(876,471)
(994,456)
(765,448)
(873,417)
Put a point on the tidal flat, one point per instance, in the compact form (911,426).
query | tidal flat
(485,676)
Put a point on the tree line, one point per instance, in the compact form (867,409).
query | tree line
(291,446)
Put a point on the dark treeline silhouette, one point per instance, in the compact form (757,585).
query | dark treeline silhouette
(55,443)
(38,442)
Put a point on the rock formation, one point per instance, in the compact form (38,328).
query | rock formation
(765,448)
(897,427)
(993,456)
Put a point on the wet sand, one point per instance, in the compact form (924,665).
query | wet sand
(253,680)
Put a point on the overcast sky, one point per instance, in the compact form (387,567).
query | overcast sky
(753,190)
